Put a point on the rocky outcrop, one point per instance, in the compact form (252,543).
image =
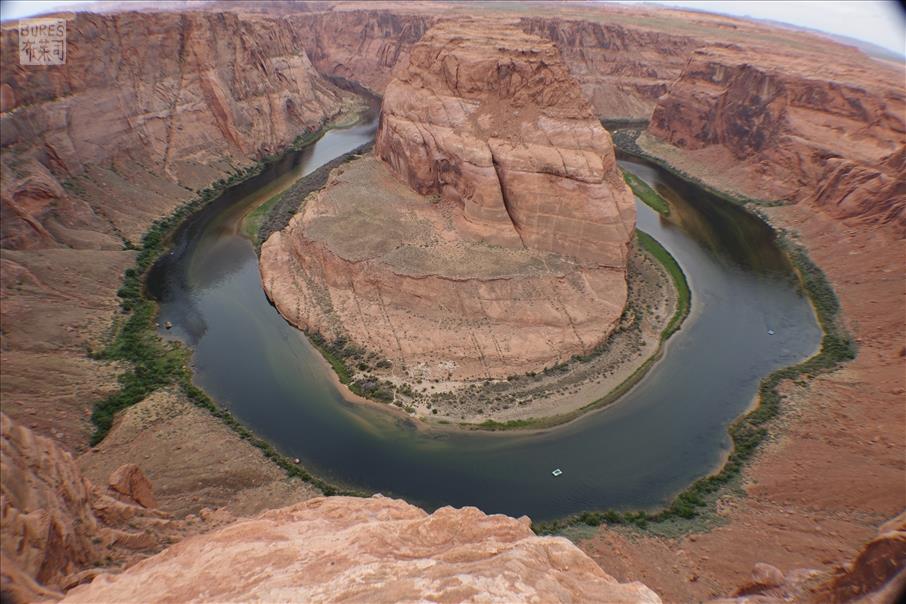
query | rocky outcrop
(837,141)
(57,527)
(489,117)
(517,232)
(129,481)
(367,550)
(879,569)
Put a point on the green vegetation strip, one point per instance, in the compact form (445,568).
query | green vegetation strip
(684,299)
(684,294)
(648,195)
(749,431)
(156,364)
(626,142)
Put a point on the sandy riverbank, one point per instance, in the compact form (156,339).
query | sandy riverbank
(651,303)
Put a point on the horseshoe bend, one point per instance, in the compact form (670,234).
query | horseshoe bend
(552,302)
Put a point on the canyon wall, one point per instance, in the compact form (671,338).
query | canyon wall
(361,46)
(182,97)
(622,70)
(148,109)
(768,126)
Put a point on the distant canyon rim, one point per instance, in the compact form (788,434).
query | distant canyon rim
(153,107)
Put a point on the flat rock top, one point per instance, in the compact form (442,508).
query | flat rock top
(366,214)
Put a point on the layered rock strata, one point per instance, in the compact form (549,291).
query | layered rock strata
(367,550)
(489,117)
(621,70)
(515,230)
(764,124)
(173,93)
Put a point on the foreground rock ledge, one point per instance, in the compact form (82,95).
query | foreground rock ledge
(367,550)
(493,238)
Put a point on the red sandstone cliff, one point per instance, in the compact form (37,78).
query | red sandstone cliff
(178,98)
(149,108)
(490,118)
(361,46)
(778,130)
(622,70)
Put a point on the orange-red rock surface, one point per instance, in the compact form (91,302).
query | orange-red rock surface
(367,550)
(179,95)
(622,70)
(57,527)
(834,471)
(509,255)
(148,109)
(491,118)
(781,130)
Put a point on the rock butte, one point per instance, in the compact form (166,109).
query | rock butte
(510,254)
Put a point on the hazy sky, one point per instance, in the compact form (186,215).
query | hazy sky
(878,21)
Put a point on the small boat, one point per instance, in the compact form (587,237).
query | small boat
(770,332)
(557,472)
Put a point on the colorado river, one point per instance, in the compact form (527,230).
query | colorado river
(666,432)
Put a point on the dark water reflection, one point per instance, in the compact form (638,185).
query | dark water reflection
(666,432)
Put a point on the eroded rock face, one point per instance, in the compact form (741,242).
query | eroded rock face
(490,117)
(837,141)
(173,93)
(621,70)
(361,46)
(367,550)
(493,238)
(56,525)
(370,261)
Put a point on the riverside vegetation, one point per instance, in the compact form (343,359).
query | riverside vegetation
(154,363)
(648,195)
(683,304)
(749,431)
